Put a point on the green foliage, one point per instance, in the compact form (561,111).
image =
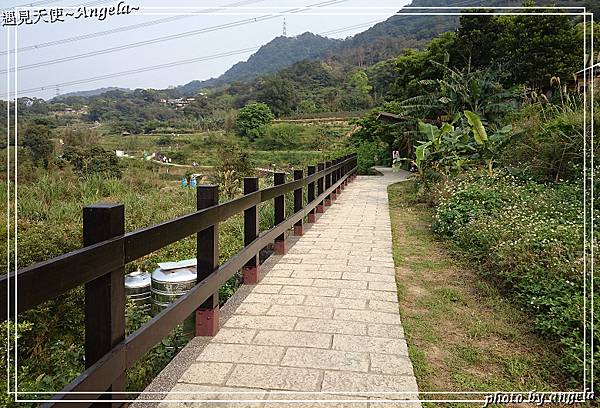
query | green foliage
(164,140)
(525,47)
(252,117)
(369,155)
(459,91)
(448,150)
(528,238)
(548,144)
(306,106)
(79,136)
(36,140)
(281,136)
(370,128)
(140,375)
(233,165)
(357,95)
(93,160)
(413,67)
(278,93)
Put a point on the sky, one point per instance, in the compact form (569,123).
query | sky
(103,60)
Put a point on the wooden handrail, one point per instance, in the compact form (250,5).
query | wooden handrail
(51,278)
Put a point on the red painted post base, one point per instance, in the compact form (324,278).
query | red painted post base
(251,275)
(320,208)
(312,218)
(207,322)
(339,190)
(333,196)
(298,230)
(327,202)
(281,246)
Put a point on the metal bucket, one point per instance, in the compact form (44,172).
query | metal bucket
(137,288)
(170,284)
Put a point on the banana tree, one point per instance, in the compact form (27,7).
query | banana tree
(449,149)
(488,146)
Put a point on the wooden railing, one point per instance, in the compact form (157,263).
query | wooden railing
(100,266)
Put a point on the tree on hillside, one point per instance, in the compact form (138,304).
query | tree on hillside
(93,160)
(475,38)
(541,47)
(357,95)
(37,140)
(251,117)
(415,66)
(279,94)
(532,49)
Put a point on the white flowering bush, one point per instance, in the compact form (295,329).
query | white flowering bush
(528,238)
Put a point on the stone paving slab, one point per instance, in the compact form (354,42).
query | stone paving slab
(324,320)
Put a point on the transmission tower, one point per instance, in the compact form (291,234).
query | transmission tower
(284,28)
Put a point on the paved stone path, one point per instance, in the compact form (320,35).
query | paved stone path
(323,320)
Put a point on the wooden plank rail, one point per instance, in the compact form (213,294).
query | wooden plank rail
(100,267)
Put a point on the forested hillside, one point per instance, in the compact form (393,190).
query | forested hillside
(382,41)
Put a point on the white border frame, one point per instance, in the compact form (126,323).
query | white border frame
(583,13)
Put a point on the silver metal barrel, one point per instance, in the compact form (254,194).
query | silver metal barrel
(168,286)
(137,288)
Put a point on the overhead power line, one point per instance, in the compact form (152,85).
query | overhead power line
(145,69)
(117,29)
(147,24)
(140,70)
(165,38)
(189,61)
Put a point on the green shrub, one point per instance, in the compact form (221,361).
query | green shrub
(281,136)
(164,140)
(37,141)
(528,238)
(251,117)
(548,149)
(93,160)
(371,154)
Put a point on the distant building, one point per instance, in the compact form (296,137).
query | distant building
(177,103)
(69,111)
(581,80)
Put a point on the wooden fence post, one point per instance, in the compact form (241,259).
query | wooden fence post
(343,173)
(310,195)
(339,175)
(251,270)
(320,189)
(333,194)
(207,255)
(279,210)
(298,226)
(334,175)
(327,184)
(105,295)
